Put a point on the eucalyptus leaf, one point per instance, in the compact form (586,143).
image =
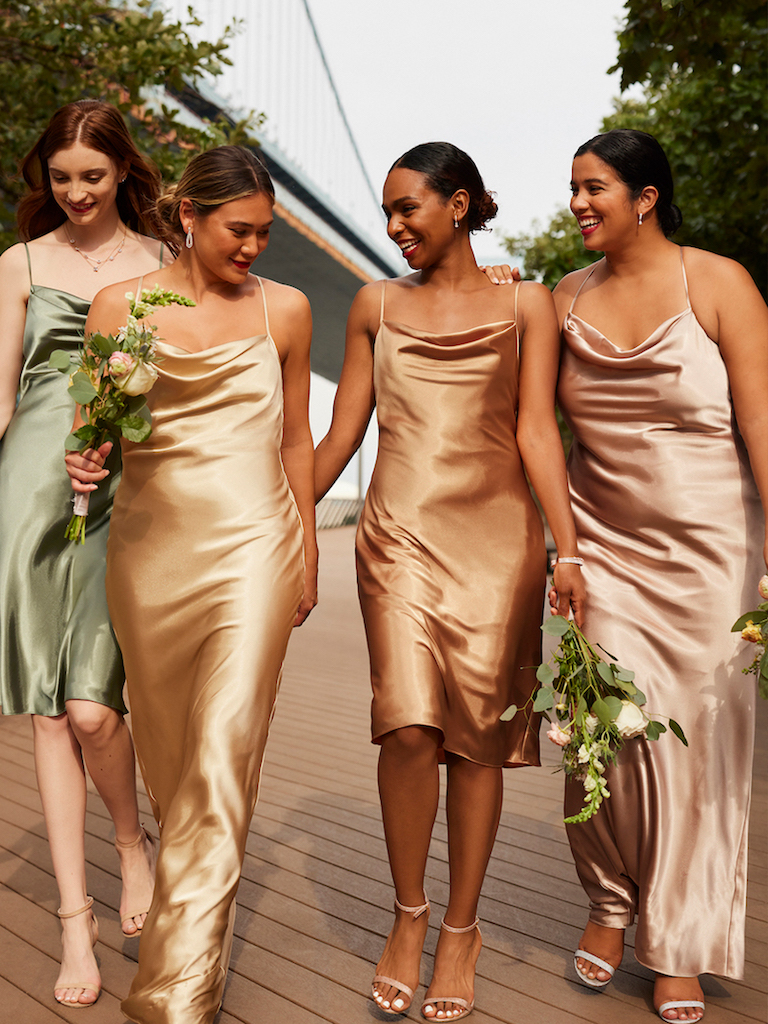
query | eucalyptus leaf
(545,675)
(677,730)
(509,714)
(556,625)
(545,700)
(606,673)
(86,433)
(624,674)
(639,698)
(74,444)
(654,729)
(105,346)
(614,706)
(602,712)
(60,360)
(581,710)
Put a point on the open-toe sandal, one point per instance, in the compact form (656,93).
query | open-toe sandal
(466,1006)
(582,954)
(681,1004)
(129,915)
(381,979)
(85,986)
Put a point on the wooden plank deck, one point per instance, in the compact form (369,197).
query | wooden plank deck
(314,902)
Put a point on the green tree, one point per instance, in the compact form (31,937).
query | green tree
(702,68)
(55,51)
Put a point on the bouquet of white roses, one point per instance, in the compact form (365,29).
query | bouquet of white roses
(754,627)
(109,380)
(597,707)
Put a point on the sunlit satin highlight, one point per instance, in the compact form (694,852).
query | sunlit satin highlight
(670,528)
(450,549)
(205,575)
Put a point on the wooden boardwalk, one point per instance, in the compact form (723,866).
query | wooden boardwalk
(315,898)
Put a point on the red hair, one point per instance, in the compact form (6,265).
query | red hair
(101,127)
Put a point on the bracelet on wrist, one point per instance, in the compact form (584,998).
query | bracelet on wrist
(568,559)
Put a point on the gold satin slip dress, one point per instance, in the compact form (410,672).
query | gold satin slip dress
(450,547)
(204,577)
(670,527)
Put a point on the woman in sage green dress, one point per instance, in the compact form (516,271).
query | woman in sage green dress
(59,660)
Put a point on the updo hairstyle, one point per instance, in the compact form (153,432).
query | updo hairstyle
(211,179)
(448,169)
(638,159)
(99,126)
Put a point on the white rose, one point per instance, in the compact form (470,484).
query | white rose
(139,381)
(630,721)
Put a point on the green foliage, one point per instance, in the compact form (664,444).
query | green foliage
(702,66)
(55,51)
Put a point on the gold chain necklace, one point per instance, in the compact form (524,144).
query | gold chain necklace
(98,264)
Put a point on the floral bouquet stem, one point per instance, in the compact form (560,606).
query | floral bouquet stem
(597,706)
(109,380)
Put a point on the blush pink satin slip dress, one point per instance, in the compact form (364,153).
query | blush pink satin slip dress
(450,547)
(670,528)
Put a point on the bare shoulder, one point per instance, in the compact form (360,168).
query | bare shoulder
(713,274)
(535,295)
(13,265)
(284,300)
(568,286)
(110,305)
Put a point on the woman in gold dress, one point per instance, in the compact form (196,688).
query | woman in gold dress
(664,382)
(208,565)
(450,548)
(84,223)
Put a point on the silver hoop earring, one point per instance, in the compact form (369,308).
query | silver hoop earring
(639,219)
(189,240)
(455,221)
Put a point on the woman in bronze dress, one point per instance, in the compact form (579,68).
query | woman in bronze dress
(450,548)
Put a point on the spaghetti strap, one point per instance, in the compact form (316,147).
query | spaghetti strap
(573,301)
(264,300)
(160,264)
(517,326)
(383,290)
(29,264)
(685,278)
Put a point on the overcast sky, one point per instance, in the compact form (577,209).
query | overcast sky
(518,84)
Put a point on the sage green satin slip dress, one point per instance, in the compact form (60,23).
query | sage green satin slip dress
(56,641)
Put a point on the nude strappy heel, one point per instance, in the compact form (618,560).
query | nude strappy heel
(142,837)
(388,1008)
(467,1006)
(86,986)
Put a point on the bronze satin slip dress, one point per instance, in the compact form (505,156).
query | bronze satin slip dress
(670,527)
(204,576)
(450,547)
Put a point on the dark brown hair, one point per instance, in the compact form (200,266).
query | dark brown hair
(101,127)
(210,179)
(448,169)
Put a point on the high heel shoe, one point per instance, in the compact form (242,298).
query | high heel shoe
(392,982)
(142,837)
(86,986)
(582,954)
(467,1006)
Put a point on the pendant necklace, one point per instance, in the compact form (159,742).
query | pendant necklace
(98,264)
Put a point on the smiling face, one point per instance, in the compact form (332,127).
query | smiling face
(84,182)
(602,204)
(228,240)
(419,220)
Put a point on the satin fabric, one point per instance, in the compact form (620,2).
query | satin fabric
(450,548)
(670,527)
(204,578)
(56,641)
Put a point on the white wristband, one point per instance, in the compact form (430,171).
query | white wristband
(570,559)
